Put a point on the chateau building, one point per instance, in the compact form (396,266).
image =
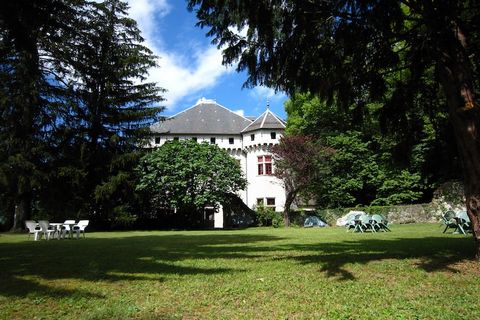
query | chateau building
(246,139)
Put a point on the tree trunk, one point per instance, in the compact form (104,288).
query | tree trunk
(290,197)
(21,213)
(22,24)
(456,76)
(23,202)
(286,217)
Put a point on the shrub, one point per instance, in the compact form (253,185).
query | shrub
(277,220)
(264,216)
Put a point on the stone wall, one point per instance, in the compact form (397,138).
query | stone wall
(448,196)
(418,213)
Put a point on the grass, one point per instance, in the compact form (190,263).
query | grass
(414,272)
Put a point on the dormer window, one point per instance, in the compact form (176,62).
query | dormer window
(273,135)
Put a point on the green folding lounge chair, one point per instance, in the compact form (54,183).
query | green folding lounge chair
(449,221)
(463,222)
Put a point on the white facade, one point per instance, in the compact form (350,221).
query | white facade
(262,188)
(246,140)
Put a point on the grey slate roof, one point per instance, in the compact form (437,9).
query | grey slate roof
(266,121)
(206,117)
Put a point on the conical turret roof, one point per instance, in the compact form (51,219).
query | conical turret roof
(267,120)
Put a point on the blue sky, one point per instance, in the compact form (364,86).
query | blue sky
(190,66)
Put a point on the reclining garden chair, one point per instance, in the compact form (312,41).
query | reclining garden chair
(463,222)
(379,222)
(366,223)
(449,221)
(350,223)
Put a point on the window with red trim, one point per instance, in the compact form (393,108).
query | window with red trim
(268,168)
(265,165)
(260,169)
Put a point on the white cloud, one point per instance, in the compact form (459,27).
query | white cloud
(182,80)
(145,12)
(240,112)
(182,75)
(262,93)
(239,32)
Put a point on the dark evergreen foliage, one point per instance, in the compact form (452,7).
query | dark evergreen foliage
(107,65)
(79,108)
(27,102)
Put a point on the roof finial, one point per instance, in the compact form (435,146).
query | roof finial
(268,104)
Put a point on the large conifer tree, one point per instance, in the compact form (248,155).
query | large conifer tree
(107,64)
(75,106)
(26,100)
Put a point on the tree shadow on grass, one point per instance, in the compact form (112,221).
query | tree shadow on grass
(159,257)
(16,286)
(432,254)
(146,257)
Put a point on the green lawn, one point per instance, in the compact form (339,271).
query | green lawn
(414,272)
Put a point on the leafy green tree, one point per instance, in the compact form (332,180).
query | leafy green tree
(353,172)
(187,176)
(308,115)
(346,51)
(369,166)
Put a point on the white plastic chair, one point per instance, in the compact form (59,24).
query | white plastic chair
(33,228)
(67,227)
(80,227)
(47,230)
